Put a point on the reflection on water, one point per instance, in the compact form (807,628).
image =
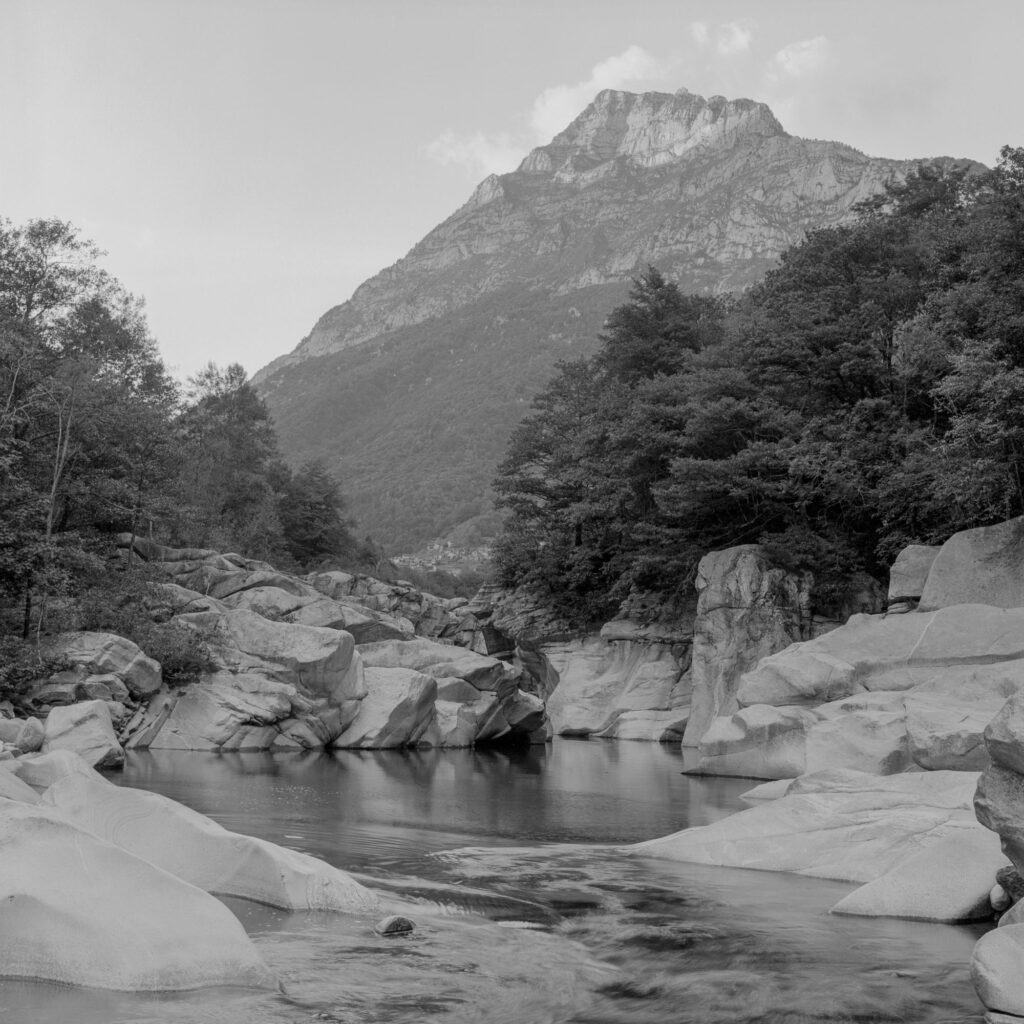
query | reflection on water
(526,912)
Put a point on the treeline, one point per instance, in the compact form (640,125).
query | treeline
(869,393)
(96,439)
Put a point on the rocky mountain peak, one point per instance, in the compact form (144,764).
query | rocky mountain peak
(648,130)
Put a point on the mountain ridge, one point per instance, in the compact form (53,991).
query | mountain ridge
(711,191)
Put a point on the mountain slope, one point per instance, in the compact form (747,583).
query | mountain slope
(410,389)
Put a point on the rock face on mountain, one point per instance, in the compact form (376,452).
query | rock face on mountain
(710,191)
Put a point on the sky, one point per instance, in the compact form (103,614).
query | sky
(246,164)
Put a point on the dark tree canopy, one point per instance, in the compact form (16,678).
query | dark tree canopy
(867,394)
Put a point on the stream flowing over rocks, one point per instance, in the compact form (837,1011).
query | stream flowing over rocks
(891,742)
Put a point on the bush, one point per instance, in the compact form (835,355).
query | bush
(22,664)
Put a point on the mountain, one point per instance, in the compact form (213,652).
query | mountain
(410,389)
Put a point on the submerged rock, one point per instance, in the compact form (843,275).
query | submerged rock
(394,925)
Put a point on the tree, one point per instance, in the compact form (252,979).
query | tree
(310,509)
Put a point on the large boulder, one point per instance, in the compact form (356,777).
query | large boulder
(40,771)
(24,733)
(908,574)
(87,730)
(316,659)
(996,973)
(746,609)
(101,654)
(982,566)
(602,681)
(396,712)
(442,661)
(197,850)
(224,711)
(885,652)
(865,733)
(81,911)
(855,827)
(949,880)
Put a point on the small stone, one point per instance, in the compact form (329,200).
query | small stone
(394,925)
(999,898)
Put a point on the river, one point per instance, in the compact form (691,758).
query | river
(526,912)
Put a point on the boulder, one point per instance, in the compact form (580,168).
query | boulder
(318,660)
(41,771)
(442,661)
(81,911)
(599,681)
(909,572)
(25,733)
(839,824)
(13,788)
(84,729)
(982,566)
(317,610)
(996,970)
(746,609)
(103,654)
(759,742)
(396,712)
(224,711)
(878,652)
(950,880)
(197,850)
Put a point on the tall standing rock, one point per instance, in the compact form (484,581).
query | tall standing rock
(746,610)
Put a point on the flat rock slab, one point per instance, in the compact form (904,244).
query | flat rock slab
(849,826)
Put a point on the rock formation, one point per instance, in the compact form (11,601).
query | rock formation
(301,662)
(912,838)
(103,886)
(475,316)
(884,693)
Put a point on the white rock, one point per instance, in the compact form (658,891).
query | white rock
(950,880)
(42,770)
(996,969)
(396,712)
(81,911)
(837,824)
(198,850)
(85,729)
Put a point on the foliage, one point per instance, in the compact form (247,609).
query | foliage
(866,394)
(22,664)
(96,439)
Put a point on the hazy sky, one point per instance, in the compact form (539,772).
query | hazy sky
(247,163)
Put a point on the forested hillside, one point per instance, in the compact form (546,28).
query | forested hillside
(97,439)
(867,394)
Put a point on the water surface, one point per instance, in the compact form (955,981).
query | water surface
(526,911)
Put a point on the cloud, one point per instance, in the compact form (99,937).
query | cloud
(734,37)
(700,32)
(801,58)
(554,108)
(479,154)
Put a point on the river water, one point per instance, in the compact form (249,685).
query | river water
(526,910)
